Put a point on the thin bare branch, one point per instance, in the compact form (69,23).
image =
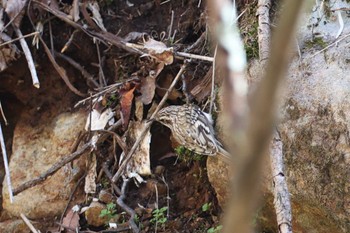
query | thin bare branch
(264,28)
(28,56)
(280,189)
(131,212)
(6,165)
(29,224)
(76,65)
(18,38)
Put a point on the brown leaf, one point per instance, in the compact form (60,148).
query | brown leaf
(8,53)
(159,51)
(71,219)
(127,95)
(148,85)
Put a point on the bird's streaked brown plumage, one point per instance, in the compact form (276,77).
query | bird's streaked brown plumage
(192,128)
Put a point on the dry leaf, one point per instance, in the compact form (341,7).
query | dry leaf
(71,219)
(159,51)
(99,120)
(96,16)
(74,12)
(125,104)
(148,85)
(8,52)
(15,9)
(133,36)
(140,162)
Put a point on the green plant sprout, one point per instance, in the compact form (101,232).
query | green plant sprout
(109,212)
(206,206)
(159,217)
(214,229)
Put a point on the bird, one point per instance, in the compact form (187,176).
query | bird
(193,129)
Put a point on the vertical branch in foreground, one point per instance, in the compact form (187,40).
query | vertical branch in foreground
(280,189)
(251,131)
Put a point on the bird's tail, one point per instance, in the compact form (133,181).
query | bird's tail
(224,155)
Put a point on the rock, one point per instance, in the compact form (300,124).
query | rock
(16,225)
(218,173)
(38,143)
(105,196)
(92,214)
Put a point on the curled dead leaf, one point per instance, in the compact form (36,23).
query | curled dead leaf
(15,10)
(159,51)
(71,220)
(127,95)
(148,85)
(140,163)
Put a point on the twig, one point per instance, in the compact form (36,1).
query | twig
(121,143)
(179,54)
(28,56)
(280,189)
(6,165)
(194,56)
(327,47)
(106,37)
(59,69)
(67,44)
(167,197)
(171,24)
(101,75)
(76,65)
(264,29)
(20,11)
(156,205)
(131,212)
(166,1)
(54,168)
(51,39)
(3,114)
(197,43)
(109,88)
(109,175)
(147,125)
(212,94)
(341,24)
(184,89)
(71,196)
(18,38)
(29,224)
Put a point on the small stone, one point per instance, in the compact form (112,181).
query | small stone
(105,196)
(92,214)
